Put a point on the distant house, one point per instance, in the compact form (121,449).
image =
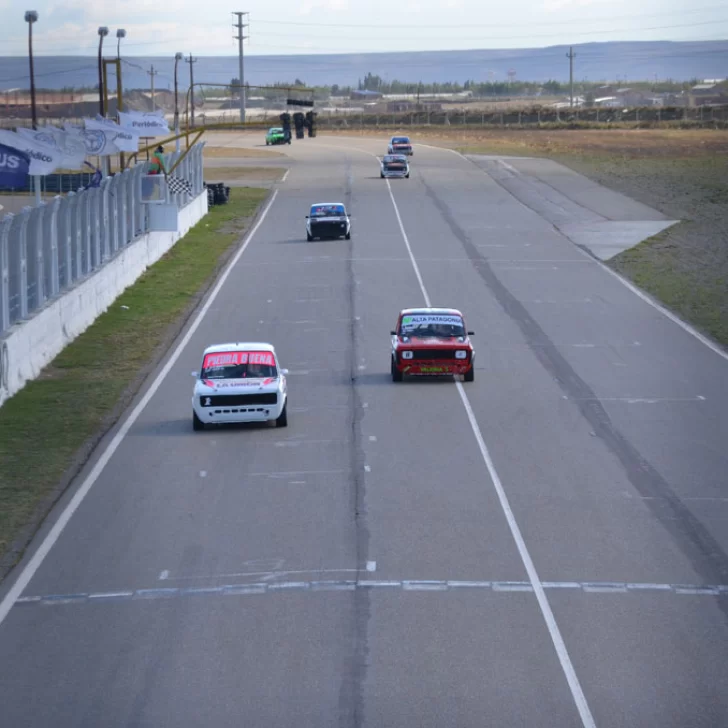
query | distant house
(365,95)
(610,101)
(710,93)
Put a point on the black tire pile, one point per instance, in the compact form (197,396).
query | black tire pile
(217,194)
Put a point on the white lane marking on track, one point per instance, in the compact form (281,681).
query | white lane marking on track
(285,176)
(163,575)
(558,641)
(53,535)
(715,348)
(371,565)
(266,586)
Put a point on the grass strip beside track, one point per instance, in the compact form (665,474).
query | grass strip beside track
(48,429)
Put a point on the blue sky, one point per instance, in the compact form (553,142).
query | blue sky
(69,27)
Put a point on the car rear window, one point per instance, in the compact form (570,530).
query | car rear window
(238,365)
(327,210)
(439,325)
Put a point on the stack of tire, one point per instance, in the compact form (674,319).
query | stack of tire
(217,194)
(299,122)
(286,124)
(311,123)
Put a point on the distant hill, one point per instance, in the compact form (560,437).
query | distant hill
(614,61)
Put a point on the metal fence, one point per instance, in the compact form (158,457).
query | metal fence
(464,117)
(44,250)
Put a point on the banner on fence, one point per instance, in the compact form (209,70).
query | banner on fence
(44,159)
(125,140)
(72,152)
(14,166)
(98,142)
(143,123)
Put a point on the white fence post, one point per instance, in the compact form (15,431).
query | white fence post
(44,250)
(5,272)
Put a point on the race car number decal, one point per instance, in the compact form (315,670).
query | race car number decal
(232,358)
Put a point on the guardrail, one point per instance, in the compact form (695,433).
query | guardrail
(47,249)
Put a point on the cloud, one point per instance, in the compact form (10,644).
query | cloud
(551,5)
(308,5)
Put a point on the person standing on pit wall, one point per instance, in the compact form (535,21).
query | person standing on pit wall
(156,163)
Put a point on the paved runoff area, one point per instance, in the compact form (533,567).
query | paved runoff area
(546,546)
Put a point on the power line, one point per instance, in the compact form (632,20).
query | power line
(152,74)
(571,55)
(192,60)
(240,38)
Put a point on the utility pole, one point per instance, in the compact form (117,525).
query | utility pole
(153,73)
(241,71)
(571,55)
(192,60)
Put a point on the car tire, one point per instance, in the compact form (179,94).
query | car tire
(309,237)
(282,420)
(406,176)
(381,175)
(197,423)
(396,374)
(470,375)
(348,236)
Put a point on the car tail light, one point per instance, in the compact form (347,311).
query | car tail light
(461,354)
(407,355)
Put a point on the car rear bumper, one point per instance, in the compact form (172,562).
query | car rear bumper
(335,230)
(226,414)
(395,173)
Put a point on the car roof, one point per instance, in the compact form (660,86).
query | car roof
(400,136)
(323,204)
(425,310)
(396,156)
(240,346)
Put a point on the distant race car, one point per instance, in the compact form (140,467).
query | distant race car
(276,135)
(400,145)
(394,165)
(328,220)
(432,341)
(240,382)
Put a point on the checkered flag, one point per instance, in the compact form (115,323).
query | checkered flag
(177,185)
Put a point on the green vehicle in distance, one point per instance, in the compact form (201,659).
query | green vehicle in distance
(276,135)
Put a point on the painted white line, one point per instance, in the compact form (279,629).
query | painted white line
(367,468)
(558,641)
(285,176)
(53,535)
(372,438)
(163,575)
(371,565)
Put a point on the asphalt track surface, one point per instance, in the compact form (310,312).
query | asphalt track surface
(545,546)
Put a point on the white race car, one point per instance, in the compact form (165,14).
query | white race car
(328,220)
(400,145)
(240,382)
(394,165)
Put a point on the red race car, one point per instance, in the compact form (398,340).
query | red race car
(432,341)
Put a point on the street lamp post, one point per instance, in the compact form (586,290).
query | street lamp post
(31,16)
(103,32)
(120,33)
(177,58)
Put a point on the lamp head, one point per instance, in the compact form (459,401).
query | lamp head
(31,16)
(103,31)
(121,33)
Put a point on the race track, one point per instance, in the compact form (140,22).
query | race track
(546,546)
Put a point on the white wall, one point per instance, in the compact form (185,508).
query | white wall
(31,345)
